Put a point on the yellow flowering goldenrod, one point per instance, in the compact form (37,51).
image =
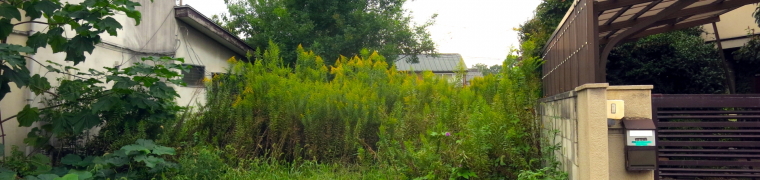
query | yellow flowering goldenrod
(206,80)
(319,60)
(366,98)
(232,60)
(237,101)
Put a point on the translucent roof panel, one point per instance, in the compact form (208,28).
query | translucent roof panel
(618,16)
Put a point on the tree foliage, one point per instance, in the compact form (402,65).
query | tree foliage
(756,14)
(139,92)
(139,102)
(746,60)
(334,27)
(674,62)
(88,20)
(127,103)
(677,62)
(486,70)
(141,159)
(534,33)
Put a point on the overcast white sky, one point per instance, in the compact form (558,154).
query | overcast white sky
(480,30)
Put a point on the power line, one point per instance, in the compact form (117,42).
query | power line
(188,47)
(483,57)
(198,59)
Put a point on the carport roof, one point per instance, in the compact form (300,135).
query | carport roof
(614,17)
(577,51)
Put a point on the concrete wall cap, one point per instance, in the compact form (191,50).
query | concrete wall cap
(631,87)
(560,96)
(592,86)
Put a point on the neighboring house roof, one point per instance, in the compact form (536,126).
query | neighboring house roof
(443,63)
(203,24)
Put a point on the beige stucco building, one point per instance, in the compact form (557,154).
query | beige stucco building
(165,30)
(733,27)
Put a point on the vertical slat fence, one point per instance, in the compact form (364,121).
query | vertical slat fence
(571,55)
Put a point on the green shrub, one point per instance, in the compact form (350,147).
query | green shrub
(20,164)
(136,106)
(140,160)
(311,170)
(201,163)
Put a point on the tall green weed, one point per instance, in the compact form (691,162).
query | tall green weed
(363,111)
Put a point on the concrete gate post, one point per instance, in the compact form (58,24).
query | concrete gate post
(593,157)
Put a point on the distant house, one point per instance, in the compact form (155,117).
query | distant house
(444,65)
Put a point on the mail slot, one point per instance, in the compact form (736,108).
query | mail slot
(641,144)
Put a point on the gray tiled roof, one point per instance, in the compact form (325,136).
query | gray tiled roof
(444,62)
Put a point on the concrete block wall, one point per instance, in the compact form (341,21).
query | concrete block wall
(560,124)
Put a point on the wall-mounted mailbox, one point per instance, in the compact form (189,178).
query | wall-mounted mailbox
(641,144)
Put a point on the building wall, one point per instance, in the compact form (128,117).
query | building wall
(199,49)
(157,31)
(159,34)
(15,101)
(733,26)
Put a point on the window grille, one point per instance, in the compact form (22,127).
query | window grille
(193,77)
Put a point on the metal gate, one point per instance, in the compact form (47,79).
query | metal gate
(704,136)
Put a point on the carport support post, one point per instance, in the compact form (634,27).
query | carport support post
(728,69)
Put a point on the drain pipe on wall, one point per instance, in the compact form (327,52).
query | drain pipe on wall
(30,96)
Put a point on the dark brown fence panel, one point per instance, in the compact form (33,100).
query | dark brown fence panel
(707,136)
(571,55)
